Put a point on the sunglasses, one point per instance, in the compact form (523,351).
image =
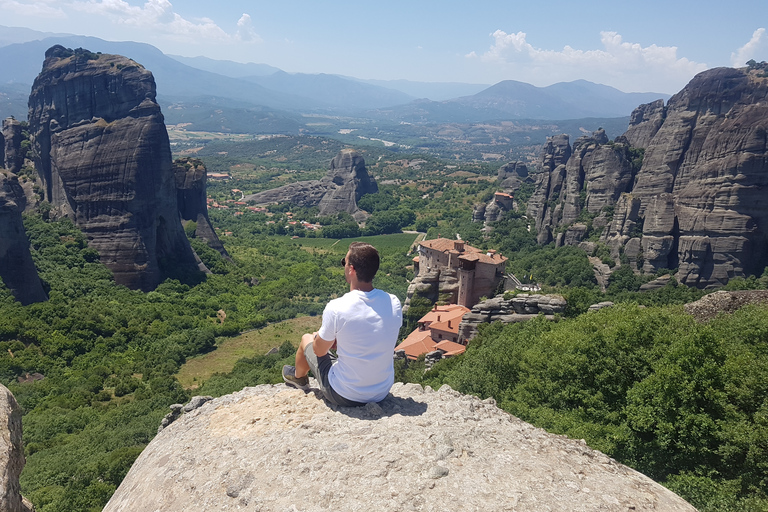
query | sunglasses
(343,262)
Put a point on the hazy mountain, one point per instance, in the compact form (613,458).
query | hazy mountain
(227,67)
(511,99)
(231,96)
(10,35)
(435,91)
(332,91)
(179,82)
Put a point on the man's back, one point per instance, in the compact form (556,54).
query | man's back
(365,326)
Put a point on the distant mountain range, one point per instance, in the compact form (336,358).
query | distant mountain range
(231,95)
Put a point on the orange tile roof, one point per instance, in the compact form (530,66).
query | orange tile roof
(448,312)
(450,348)
(444,244)
(417,343)
(443,326)
(447,245)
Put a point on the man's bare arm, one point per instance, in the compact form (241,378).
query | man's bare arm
(320,346)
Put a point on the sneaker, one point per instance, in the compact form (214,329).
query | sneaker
(289,376)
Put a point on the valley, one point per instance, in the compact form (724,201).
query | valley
(171,263)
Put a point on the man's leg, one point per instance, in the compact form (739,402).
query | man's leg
(302,367)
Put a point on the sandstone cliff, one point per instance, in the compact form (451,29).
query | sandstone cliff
(17,269)
(345,183)
(11,455)
(582,180)
(697,203)
(104,159)
(272,448)
(11,156)
(191,177)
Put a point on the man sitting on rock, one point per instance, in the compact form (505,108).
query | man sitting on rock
(364,325)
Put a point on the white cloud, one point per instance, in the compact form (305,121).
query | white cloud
(749,50)
(619,63)
(39,9)
(245,30)
(156,16)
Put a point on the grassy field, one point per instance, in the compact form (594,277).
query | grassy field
(397,243)
(199,369)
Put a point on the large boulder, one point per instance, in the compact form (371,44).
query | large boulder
(17,269)
(272,448)
(346,181)
(103,155)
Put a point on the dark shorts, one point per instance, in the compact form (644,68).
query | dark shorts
(321,367)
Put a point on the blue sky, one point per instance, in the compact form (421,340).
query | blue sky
(635,46)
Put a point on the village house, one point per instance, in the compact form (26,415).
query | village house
(503,200)
(479,272)
(438,330)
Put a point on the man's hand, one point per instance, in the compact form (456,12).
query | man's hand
(320,346)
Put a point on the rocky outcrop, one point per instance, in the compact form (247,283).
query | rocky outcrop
(436,284)
(11,454)
(709,163)
(11,155)
(345,183)
(17,269)
(478,213)
(191,177)
(103,155)
(644,123)
(593,177)
(272,448)
(697,203)
(724,302)
(512,175)
(519,308)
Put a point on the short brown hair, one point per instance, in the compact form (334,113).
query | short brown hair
(365,259)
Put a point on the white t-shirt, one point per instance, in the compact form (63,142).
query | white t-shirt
(365,326)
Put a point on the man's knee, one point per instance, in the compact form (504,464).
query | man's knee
(306,340)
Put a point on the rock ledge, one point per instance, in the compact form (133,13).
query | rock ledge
(271,448)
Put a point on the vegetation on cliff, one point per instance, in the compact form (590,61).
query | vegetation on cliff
(683,402)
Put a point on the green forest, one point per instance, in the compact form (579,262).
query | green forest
(95,367)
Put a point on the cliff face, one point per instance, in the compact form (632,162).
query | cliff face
(103,156)
(191,178)
(698,202)
(11,455)
(345,183)
(272,448)
(17,269)
(11,156)
(588,177)
(703,181)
